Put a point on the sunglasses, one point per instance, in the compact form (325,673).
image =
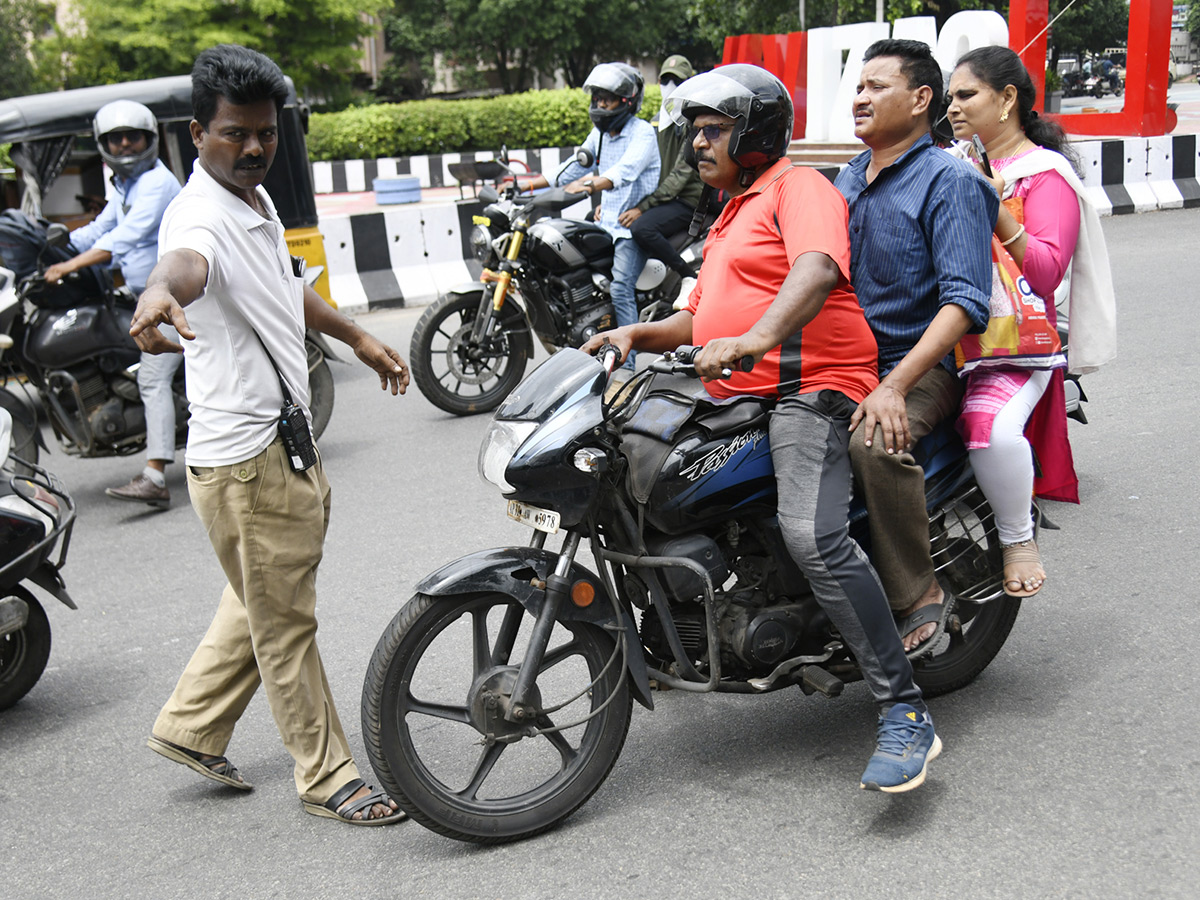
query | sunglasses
(712,132)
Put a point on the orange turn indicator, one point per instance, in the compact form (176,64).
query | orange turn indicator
(582,594)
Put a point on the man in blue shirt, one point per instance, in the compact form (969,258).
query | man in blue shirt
(125,236)
(626,150)
(920,239)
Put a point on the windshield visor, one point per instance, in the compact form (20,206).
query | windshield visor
(710,91)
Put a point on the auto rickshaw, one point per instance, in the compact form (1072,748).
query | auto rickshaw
(62,177)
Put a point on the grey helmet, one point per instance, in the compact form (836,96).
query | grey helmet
(753,97)
(127,115)
(622,80)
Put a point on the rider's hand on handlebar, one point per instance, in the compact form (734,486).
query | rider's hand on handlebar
(57,272)
(725,355)
(620,338)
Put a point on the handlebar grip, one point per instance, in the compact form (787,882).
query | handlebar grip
(746,363)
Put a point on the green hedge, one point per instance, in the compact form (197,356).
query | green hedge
(5,159)
(419,127)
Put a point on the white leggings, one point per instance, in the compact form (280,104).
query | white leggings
(1004,469)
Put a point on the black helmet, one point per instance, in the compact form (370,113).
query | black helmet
(126,115)
(753,97)
(622,80)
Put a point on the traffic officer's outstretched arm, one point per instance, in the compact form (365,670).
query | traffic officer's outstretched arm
(177,280)
(387,363)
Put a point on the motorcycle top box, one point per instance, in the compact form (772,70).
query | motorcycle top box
(560,245)
(61,338)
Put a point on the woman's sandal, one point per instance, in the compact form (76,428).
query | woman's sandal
(1024,554)
(332,808)
(218,768)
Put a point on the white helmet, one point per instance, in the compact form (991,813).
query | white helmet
(127,115)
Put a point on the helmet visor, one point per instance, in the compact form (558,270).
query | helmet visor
(709,91)
(611,78)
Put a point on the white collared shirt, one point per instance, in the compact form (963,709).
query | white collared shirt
(232,388)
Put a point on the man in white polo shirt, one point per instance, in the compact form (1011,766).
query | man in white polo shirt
(265,506)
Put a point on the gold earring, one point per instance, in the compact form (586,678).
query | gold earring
(1004,116)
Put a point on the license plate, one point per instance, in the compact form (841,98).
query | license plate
(542,519)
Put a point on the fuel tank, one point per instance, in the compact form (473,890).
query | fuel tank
(718,467)
(58,338)
(562,245)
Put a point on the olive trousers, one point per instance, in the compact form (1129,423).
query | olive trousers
(267,525)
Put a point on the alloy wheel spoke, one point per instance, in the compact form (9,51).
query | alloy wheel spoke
(507,635)
(480,652)
(557,655)
(483,768)
(558,741)
(438,710)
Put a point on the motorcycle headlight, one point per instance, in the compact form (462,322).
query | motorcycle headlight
(501,443)
(481,243)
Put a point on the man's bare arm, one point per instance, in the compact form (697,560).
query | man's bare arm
(177,280)
(387,363)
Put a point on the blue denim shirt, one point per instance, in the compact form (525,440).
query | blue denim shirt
(920,237)
(630,161)
(127,227)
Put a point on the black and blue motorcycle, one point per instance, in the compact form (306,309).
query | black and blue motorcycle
(499,697)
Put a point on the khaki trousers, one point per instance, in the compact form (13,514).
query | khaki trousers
(267,525)
(893,489)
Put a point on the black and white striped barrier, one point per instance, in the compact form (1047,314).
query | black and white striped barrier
(354,175)
(410,255)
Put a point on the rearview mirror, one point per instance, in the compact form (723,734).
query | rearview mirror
(584,157)
(57,235)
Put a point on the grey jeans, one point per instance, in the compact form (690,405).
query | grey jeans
(155,374)
(811,453)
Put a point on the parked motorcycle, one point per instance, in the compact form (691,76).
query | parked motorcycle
(68,348)
(498,698)
(543,276)
(36,516)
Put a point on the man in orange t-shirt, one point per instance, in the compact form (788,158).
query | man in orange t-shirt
(775,286)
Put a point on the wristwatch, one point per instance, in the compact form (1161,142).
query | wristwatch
(589,184)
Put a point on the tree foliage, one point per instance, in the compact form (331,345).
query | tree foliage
(314,41)
(20,22)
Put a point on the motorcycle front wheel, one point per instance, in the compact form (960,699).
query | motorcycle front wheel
(432,711)
(23,653)
(458,374)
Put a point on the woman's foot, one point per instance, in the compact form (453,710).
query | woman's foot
(1023,572)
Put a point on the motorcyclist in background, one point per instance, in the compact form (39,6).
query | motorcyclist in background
(125,236)
(669,209)
(626,155)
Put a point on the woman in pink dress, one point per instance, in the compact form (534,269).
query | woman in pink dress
(1008,407)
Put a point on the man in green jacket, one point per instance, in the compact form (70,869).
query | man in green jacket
(669,209)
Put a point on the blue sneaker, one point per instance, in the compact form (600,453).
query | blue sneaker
(904,746)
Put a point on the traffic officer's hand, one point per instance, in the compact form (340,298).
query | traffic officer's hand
(157,306)
(387,363)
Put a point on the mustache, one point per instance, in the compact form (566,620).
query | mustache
(250,162)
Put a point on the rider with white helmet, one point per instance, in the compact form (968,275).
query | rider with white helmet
(125,236)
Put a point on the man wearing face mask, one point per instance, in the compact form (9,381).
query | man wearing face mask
(125,235)
(669,209)
(627,162)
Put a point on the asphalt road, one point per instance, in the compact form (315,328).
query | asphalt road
(1068,764)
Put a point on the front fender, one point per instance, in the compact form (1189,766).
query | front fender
(517,572)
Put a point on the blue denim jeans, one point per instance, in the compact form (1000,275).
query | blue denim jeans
(628,261)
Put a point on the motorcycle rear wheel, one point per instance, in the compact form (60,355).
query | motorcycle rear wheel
(958,658)
(436,676)
(23,653)
(457,376)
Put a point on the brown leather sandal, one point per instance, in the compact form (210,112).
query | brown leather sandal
(1023,554)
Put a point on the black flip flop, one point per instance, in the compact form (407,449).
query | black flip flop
(938,613)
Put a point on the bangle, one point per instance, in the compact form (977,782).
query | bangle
(1020,231)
